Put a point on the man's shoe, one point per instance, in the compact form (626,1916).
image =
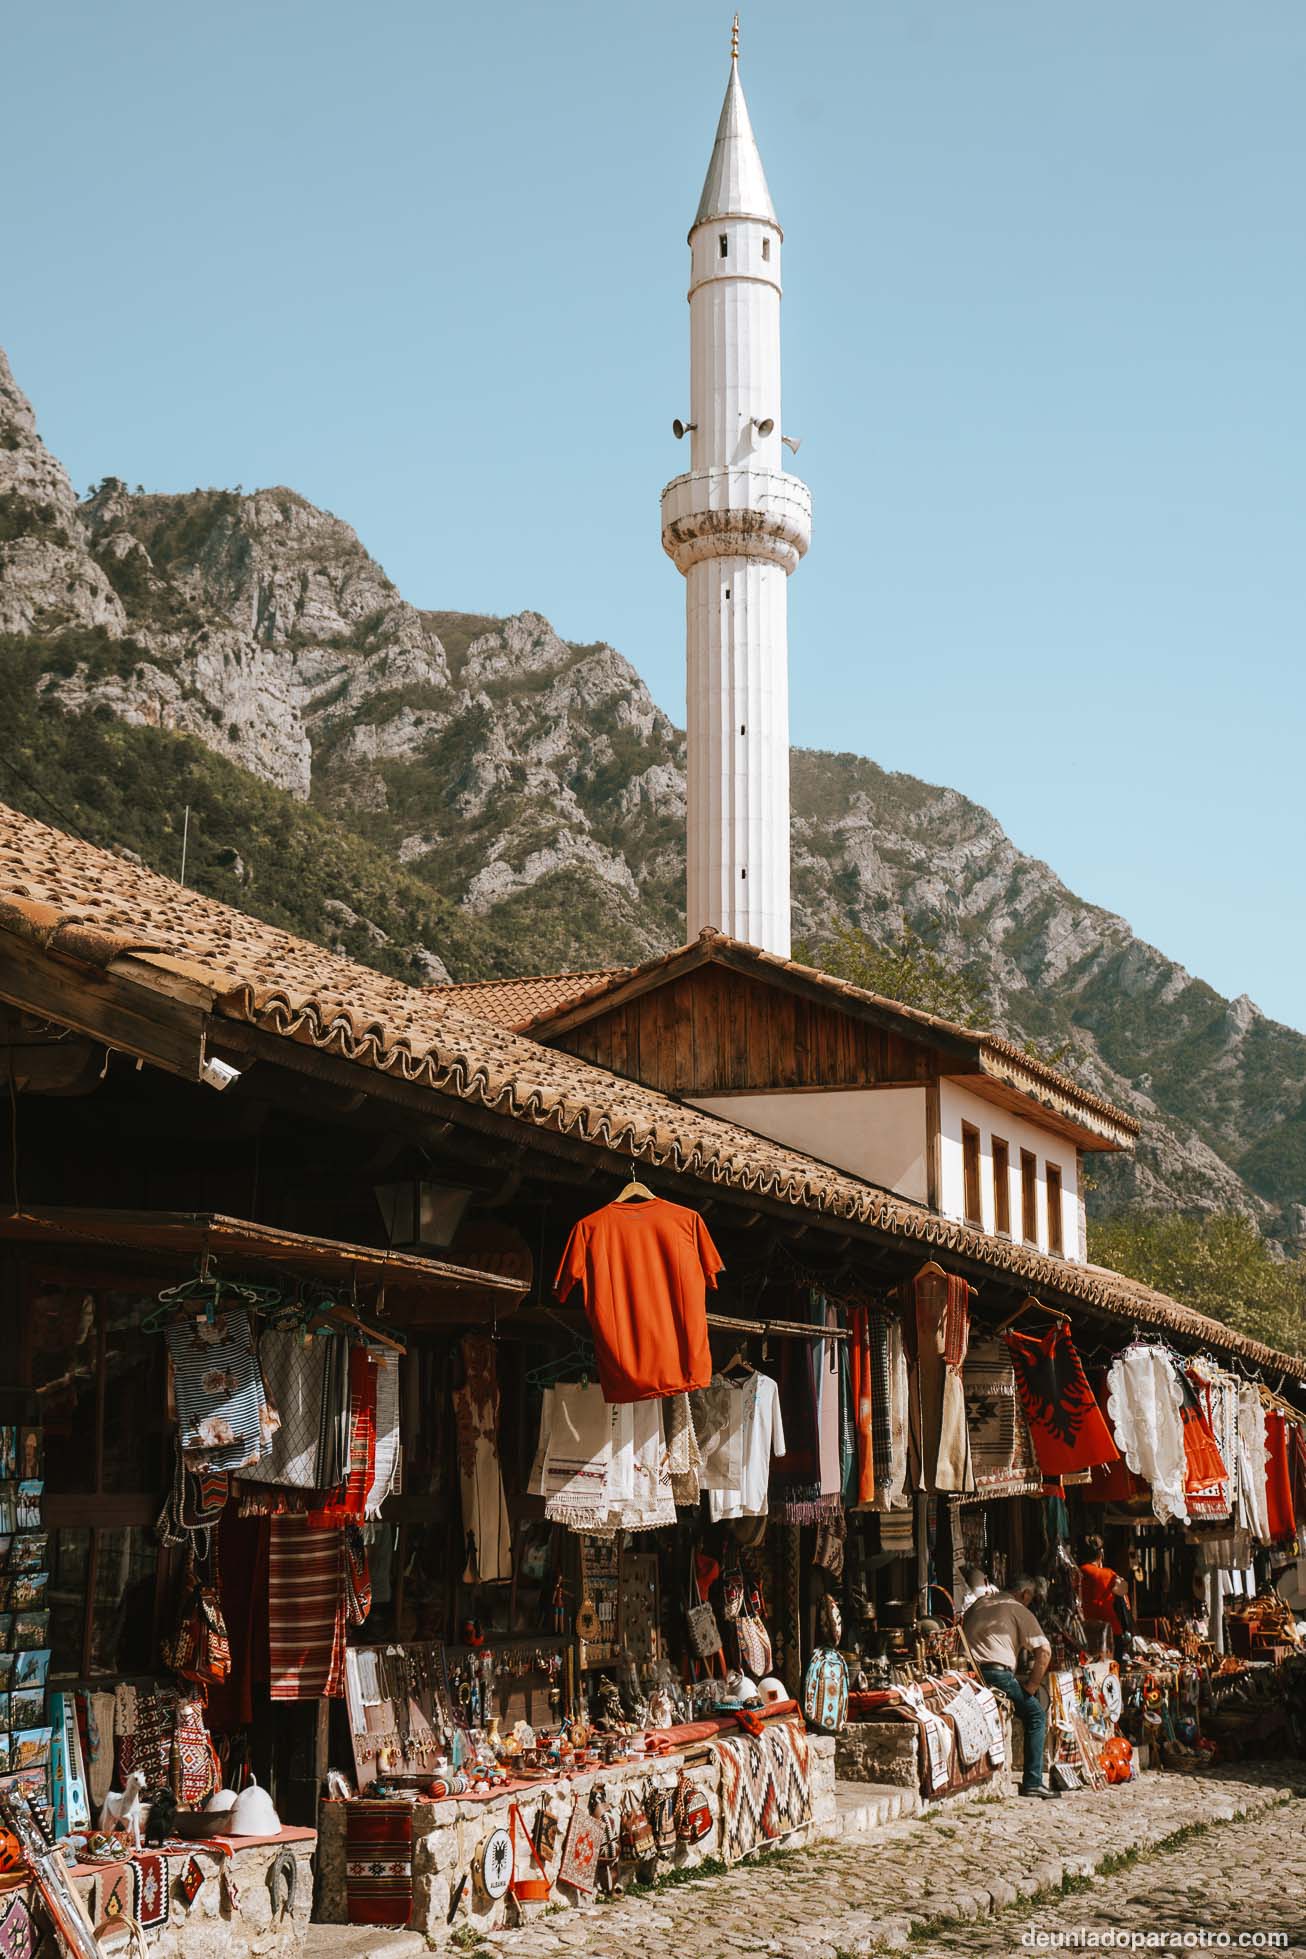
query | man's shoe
(1045,1794)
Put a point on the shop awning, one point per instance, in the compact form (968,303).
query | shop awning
(464,1290)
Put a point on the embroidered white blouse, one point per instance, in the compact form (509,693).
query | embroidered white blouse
(1143,1406)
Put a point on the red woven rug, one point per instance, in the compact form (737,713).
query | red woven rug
(379,1862)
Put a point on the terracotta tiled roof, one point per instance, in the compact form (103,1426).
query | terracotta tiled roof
(516,1003)
(80,903)
(993,1053)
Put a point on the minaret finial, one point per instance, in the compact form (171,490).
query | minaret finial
(734,40)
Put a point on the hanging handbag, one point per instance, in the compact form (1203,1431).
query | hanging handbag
(704,1632)
(701,1624)
(732,1590)
(546,1833)
(638,1842)
(200,1649)
(358,1576)
(660,1808)
(693,1817)
(754,1646)
(607,1861)
(196,1769)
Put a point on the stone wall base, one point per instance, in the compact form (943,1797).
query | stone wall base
(205,1930)
(446,1836)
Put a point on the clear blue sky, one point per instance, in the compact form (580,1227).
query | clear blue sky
(1045,332)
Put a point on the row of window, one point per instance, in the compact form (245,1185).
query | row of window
(1001,1159)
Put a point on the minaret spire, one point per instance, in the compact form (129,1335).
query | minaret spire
(736,525)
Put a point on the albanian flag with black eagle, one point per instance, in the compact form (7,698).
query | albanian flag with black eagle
(1067,1426)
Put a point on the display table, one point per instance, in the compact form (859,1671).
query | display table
(446,1835)
(233,1912)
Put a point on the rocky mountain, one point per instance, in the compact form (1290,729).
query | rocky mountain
(533,791)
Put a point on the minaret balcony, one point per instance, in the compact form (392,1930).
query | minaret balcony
(741,512)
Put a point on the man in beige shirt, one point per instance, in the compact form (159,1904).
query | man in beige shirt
(1002,1630)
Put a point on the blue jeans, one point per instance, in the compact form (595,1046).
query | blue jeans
(1033,1718)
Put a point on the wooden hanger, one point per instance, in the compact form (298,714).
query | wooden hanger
(346,1316)
(633,1189)
(738,1359)
(1033,1305)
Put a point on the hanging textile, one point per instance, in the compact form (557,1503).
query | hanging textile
(624,1482)
(1206,1481)
(535,1478)
(1297,1455)
(684,1459)
(345,1505)
(577,1454)
(386,1465)
(1252,1463)
(1217,1395)
(650,1505)
(829,1401)
(306,1611)
(243,1582)
(848,1467)
(644,1267)
(937,1309)
(294,1372)
(1280,1517)
(485,1511)
(333,1429)
(762,1429)
(862,1398)
(719,1435)
(1003,1463)
(796,1496)
(1145,1400)
(878,1331)
(221,1407)
(379,1862)
(1065,1422)
(891,1416)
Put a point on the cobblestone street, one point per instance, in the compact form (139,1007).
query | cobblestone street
(966,1880)
(1243,1878)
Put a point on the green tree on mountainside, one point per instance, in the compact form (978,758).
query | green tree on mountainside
(1218,1265)
(908,969)
(904,968)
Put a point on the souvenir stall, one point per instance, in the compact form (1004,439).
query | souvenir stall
(613,1706)
(184,1487)
(549,1597)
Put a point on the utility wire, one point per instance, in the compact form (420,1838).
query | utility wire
(26,783)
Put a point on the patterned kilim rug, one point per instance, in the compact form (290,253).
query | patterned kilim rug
(766,1786)
(379,1862)
(152,1888)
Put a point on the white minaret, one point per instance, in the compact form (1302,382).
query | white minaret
(736,526)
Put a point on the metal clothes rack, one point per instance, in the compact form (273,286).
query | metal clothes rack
(777,1329)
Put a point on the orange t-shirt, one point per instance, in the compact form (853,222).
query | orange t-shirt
(644,1268)
(1097,1596)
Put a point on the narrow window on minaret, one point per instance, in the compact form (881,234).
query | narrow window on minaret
(766,248)
(724,243)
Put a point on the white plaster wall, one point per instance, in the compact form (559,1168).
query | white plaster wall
(875,1133)
(958,1105)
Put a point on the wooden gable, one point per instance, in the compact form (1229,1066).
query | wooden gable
(712,1030)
